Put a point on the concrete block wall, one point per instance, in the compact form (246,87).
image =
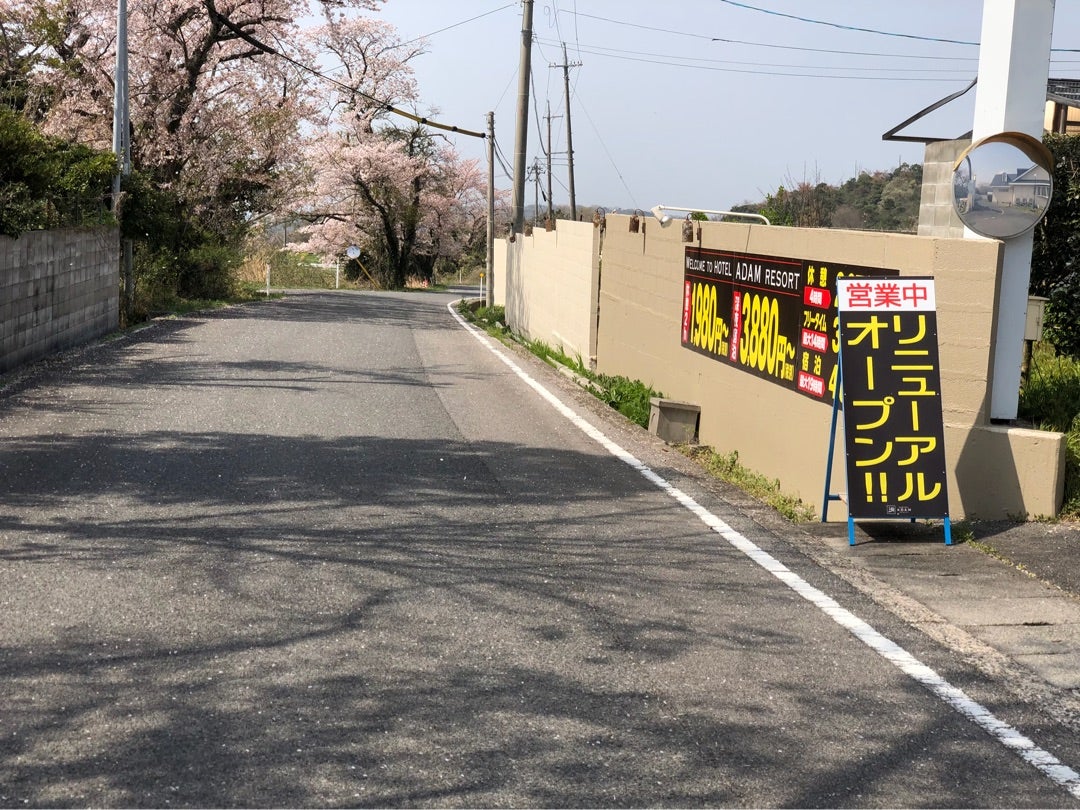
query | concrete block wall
(548,286)
(993,471)
(57,289)
(937,217)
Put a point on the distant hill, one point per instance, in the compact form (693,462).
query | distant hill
(875,201)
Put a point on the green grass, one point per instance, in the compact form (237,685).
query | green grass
(727,468)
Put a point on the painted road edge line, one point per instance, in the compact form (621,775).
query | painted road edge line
(907,663)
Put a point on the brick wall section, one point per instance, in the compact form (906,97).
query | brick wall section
(57,289)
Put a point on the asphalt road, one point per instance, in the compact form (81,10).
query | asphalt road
(332,551)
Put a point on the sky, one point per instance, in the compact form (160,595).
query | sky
(709,104)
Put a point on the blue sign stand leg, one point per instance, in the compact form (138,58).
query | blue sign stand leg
(832,444)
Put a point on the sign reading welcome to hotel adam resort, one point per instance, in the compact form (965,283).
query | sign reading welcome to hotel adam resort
(773,317)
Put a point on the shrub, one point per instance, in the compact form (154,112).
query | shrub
(1050,399)
(48,182)
(1055,270)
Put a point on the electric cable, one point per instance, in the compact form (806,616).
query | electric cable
(803,75)
(843,27)
(456,25)
(607,152)
(600,50)
(500,158)
(655,29)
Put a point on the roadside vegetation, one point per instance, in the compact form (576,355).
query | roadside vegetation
(232,149)
(727,468)
(1050,400)
(628,397)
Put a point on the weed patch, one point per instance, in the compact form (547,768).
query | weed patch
(726,467)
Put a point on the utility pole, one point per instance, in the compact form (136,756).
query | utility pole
(566,65)
(122,150)
(491,210)
(522,136)
(121,127)
(534,173)
(551,211)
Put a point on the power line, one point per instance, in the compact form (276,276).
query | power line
(552,13)
(801,74)
(847,27)
(502,159)
(693,35)
(846,53)
(456,25)
(596,131)
(536,111)
(600,50)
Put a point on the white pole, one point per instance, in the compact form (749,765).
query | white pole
(337,274)
(1014,62)
(268,279)
(119,99)
(490,263)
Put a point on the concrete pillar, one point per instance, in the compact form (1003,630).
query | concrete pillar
(1014,63)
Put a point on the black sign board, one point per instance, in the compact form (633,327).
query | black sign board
(893,429)
(773,317)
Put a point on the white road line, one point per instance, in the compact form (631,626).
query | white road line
(1008,736)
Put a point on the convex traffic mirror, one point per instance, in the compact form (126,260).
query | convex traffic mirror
(1002,184)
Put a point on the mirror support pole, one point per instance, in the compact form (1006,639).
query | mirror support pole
(1014,62)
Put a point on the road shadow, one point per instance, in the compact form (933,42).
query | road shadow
(220,618)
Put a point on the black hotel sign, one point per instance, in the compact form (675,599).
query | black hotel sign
(891,382)
(766,315)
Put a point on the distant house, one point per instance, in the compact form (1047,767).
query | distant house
(1027,187)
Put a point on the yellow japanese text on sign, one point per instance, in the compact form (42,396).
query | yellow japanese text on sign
(893,428)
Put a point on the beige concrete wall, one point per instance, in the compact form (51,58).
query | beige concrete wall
(499,259)
(549,286)
(993,471)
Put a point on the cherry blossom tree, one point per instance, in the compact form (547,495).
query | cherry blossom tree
(228,125)
(383,183)
(215,117)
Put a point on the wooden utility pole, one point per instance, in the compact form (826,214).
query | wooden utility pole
(534,173)
(566,65)
(522,135)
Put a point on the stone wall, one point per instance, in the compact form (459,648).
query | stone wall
(57,289)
